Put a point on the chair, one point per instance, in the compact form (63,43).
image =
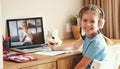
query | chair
(113,61)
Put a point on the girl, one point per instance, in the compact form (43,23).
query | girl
(93,42)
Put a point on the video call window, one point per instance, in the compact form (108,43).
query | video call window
(31,30)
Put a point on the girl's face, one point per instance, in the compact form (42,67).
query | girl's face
(89,23)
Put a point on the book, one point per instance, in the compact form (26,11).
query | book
(18,57)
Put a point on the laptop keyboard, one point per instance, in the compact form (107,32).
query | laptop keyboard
(30,47)
(35,49)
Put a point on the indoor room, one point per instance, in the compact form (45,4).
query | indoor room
(56,23)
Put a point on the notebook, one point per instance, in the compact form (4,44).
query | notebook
(54,53)
(26,34)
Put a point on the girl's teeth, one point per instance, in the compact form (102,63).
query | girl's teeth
(87,28)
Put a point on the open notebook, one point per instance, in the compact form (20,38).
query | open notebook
(53,53)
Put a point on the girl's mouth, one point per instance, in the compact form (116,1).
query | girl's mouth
(88,30)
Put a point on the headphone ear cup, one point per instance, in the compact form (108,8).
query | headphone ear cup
(101,24)
(79,21)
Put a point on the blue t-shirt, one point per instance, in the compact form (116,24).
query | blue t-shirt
(95,48)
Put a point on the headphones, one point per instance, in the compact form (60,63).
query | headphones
(95,9)
(102,20)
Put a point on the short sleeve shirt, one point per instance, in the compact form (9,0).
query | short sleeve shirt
(95,48)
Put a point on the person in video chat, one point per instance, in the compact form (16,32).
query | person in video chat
(27,34)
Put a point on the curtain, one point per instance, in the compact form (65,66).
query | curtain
(112,16)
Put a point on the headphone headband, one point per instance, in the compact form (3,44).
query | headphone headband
(92,8)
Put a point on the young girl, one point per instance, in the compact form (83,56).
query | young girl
(94,44)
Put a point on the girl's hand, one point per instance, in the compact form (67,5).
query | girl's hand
(51,45)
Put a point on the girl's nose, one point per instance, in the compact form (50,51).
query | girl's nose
(88,24)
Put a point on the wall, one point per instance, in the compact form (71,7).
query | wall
(55,13)
(1,56)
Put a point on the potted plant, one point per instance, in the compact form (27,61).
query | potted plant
(75,27)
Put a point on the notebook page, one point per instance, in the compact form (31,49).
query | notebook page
(53,53)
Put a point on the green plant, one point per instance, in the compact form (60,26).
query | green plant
(73,20)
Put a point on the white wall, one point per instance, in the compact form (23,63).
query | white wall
(55,13)
(1,51)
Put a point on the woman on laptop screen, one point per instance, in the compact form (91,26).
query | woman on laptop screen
(27,35)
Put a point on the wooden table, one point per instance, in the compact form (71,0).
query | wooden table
(64,61)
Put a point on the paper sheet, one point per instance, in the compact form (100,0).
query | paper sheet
(53,53)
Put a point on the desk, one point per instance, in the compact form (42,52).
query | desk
(64,61)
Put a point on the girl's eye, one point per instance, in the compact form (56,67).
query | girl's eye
(85,20)
(92,21)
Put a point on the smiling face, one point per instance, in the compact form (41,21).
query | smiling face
(89,23)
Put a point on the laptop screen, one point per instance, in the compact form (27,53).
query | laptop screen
(25,32)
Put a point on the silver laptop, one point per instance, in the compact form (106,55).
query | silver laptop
(26,35)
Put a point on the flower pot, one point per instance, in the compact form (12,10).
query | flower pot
(76,31)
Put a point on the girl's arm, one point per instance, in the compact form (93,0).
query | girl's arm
(70,46)
(83,63)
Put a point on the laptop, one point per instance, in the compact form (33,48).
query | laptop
(26,35)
